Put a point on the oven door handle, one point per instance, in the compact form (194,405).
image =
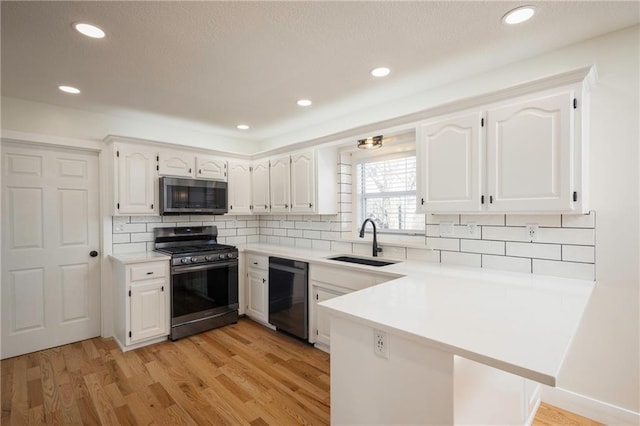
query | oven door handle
(195,268)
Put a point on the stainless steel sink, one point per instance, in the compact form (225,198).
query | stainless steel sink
(362,260)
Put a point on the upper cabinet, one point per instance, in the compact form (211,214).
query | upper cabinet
(260,187)
(136,180)
(211,168)
(280,189)
(526,154)
(191,165)
(303,182)
(239,188)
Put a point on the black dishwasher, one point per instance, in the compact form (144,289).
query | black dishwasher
(288,296)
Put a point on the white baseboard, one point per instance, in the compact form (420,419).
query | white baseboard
(588,407)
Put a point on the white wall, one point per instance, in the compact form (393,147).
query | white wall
(34,117)
(604,361)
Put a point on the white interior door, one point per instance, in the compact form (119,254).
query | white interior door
(50,224)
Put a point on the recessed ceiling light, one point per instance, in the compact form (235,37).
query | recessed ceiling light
(242,126)
(69,89)
(89,30)
(380,72)
(519,15)
(304,102)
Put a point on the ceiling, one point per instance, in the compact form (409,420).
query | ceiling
(226,63)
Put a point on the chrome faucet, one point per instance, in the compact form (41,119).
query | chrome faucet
(376,249)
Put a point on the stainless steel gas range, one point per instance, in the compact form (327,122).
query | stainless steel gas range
(204,279)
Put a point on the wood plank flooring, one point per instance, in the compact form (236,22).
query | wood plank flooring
(243,374)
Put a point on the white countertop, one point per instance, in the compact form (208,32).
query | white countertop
(139,257)
(520,323)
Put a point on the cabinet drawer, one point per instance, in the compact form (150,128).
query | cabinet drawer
(257,261)
(146,271)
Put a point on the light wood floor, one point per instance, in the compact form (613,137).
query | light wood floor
(239,374)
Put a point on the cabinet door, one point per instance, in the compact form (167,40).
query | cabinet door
(260,187)
(303,185)
(450,165)
(323,323)
(529,155)
(211,168)
(257,307)
(148,310)
(137,181)
(175,163)
(239,188)
(279,173)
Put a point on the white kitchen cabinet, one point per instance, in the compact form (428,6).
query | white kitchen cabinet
(257,273)
(136,180)
(239,188)
(530,162)
(526,155)
(327,282)
(303,182)
(211,168)
(323,323)
(141,301)
(176,163)
(280,184)
(450,166)
(260,187)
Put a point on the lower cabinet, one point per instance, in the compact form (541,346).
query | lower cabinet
(257,273)
(141,302)
(327,282)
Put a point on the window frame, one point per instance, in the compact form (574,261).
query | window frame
(391,153)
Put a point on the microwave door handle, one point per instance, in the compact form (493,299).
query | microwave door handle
(188,268)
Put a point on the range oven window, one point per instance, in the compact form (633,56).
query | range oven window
(203,290)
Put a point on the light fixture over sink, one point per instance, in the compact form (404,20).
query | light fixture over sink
(370,143)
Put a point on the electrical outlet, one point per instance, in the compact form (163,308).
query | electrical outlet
(532,232)
(446,229)
(381,343)
(472,229)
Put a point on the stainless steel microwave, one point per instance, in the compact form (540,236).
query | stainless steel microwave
(192,196)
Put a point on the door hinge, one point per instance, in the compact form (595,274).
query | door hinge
(117,153)
(230,207)
(422,201)
(157,158)
(225,165)
(225,174)
(575,103)
(317,297)
(575,196)
(490,199)
(482,199)
(482,122)
(129,293)
(162,288)
(118,206)
(129,334)
(317,334)
(151,206)
(250,169)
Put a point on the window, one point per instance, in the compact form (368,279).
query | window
(386,193)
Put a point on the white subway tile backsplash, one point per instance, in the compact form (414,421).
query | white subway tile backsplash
(573,236)
(130,227)
(227,232)
(129,248)
(461,231)
(219,225)
(330,235)
(423,255)
(582,271)
(579,253)
(363,249)
(321,244)
(266,231)
(435,219)
(462,259)
(432,230)
(504,233)
(312,234)
(121,238)
(247,231)
(288,224)
(280,232)
(295,233)
(480,246)
(482,219)
(273,240)
(443,244)
(303,243)
(141,237)
(506,263)
(579,220)
(393,252)
(286,241)
(152,226)
(145,219)
(253,238)
(534,250)
(302,224)
(551,220)
(236,240)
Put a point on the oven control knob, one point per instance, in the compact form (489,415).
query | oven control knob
(223,256)
(208,258)
(184,260)
(194,259)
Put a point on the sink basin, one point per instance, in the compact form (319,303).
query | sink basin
(362,260)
